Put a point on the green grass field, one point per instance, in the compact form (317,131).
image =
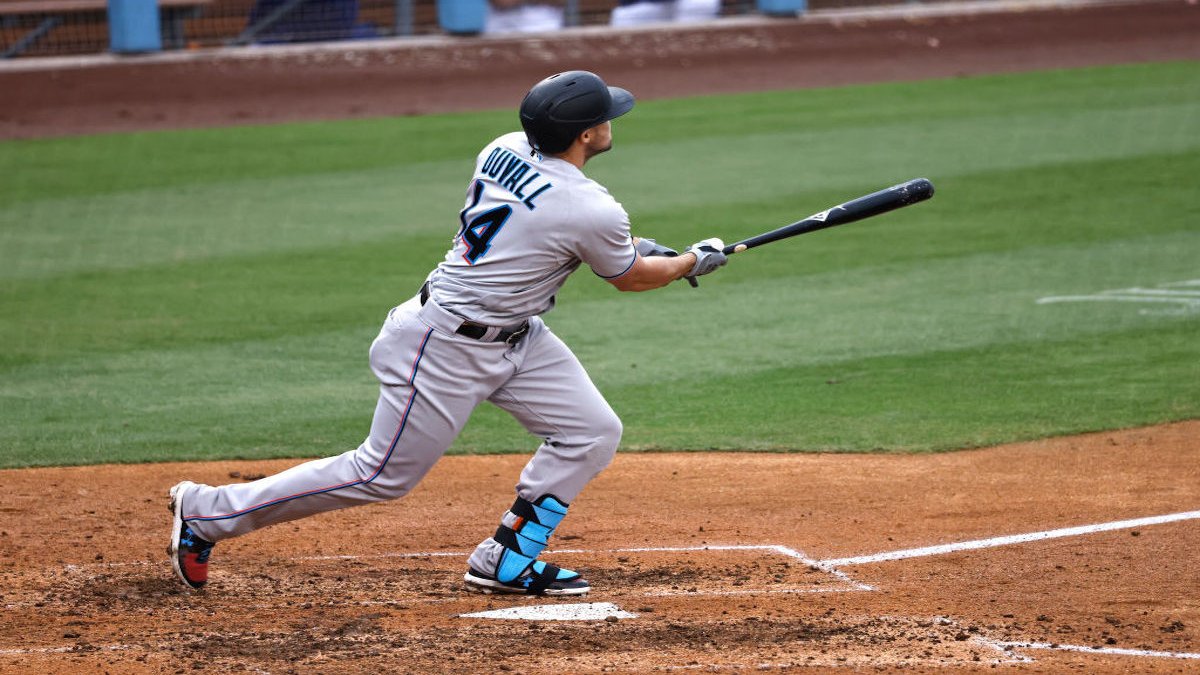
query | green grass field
(212,294)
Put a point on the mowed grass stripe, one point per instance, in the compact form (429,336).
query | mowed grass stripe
(249,397)
(51,168)
(937,400)
(84,166)
(933,400)
(247,215)
(902,308)
(260,297)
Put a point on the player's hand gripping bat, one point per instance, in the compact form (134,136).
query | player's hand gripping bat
(890,199)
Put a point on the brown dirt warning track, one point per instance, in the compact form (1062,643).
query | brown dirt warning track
(266,85)
(1065,555)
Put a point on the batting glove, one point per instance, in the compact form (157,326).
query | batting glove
(708,258)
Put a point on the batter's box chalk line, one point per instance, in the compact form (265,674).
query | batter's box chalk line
(847,584)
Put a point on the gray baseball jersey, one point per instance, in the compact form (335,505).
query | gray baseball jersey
(528,222)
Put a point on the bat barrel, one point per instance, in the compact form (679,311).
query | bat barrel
(888,199)
(897,196)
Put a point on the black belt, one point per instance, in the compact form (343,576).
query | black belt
(476,331)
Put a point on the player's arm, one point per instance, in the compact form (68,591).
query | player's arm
(650,272)
(656,265)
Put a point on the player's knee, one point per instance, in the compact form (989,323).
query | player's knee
(608,436)
(382,485)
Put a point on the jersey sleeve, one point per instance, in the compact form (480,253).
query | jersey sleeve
(605,242)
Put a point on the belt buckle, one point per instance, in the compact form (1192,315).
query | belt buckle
(516,336)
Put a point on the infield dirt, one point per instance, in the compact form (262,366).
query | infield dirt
(85,585)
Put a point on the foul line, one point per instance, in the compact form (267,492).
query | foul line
(1011,539)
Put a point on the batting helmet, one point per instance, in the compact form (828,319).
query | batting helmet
(562,106)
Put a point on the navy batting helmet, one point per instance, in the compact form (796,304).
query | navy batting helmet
(562,106)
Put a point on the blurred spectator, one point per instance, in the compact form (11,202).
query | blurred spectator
(522,16)
(282,21)
(638,12)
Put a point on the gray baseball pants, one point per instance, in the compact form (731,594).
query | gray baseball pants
(430,380)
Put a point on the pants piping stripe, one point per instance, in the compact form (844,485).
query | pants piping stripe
(391,448)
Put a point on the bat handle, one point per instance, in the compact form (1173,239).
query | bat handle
(693,282)
(734,248)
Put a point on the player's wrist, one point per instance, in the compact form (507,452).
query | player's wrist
(686,261)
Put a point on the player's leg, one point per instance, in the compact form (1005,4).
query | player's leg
(553,397)
(422,406)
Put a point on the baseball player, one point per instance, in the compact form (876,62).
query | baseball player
(474,333)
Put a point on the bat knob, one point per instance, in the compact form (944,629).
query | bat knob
(693,282)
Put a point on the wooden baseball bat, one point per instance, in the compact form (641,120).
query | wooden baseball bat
(890,199)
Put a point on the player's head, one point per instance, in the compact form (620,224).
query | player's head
(561,107)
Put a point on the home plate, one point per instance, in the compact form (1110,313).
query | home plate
(580,611)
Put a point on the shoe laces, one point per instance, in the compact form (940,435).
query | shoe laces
(195,544)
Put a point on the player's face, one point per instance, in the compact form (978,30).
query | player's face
(598,139)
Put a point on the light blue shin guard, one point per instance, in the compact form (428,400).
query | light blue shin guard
(529,535)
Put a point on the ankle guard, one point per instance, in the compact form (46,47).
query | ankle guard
(527,538)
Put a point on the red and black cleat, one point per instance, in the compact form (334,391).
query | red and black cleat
(189,553)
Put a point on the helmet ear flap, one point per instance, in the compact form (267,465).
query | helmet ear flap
(544,132)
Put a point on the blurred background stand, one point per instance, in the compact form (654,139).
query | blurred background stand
(134,26)
(782,8)
(462,17)
(275,21)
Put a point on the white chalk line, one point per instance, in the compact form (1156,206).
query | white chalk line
(783,550)
(760,591)
(773,548)
(993,542)
(850,585)
(1010,656)
(1115,298)
(1165,292)
(1115,651)
(403,602)
(66,650)
(826,565)
(72,567)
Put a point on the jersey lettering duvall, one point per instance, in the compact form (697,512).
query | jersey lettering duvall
(528,223)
